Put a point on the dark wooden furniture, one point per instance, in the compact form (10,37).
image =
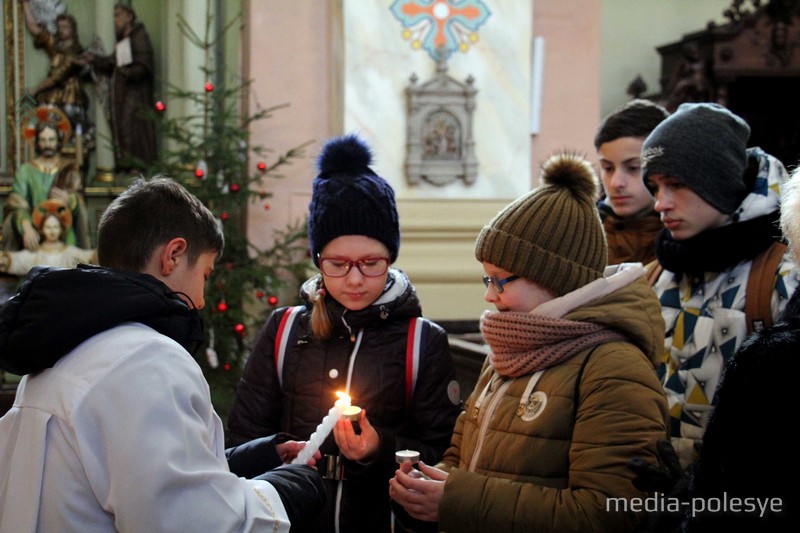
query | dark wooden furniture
(750,65)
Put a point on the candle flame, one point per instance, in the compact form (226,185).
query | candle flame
(343,397)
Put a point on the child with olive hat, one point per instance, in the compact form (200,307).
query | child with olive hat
(351,334)
(568,393)
(719,202)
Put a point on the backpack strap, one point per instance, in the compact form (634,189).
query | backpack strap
(283,338)
(417,328)
(760,283)
(413,354)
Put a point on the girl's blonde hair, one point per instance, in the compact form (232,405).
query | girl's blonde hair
(321,325)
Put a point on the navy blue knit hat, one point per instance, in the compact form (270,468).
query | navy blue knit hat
(348,198)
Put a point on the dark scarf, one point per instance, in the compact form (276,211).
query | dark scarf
(718,249)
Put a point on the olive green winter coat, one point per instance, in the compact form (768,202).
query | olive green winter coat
(552,466)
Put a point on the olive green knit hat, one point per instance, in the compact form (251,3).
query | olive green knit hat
(553,234)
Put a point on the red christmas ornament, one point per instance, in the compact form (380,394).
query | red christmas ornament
(224,216)
(209,86)
(262,166)
(161,106)
(259,294)
(199,173)
(262,194)
(272,300)
(222,306)
(239,329)
(267,207)
(234,187)
(226,367)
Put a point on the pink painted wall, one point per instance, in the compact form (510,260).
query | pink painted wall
(291,53)
(571,92)
(288,57)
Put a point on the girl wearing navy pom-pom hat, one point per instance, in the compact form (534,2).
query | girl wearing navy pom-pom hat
(359,331)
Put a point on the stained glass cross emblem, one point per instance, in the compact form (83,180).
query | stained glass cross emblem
(440,27)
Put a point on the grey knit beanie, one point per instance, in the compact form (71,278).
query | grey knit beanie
(705,146)
(553,234)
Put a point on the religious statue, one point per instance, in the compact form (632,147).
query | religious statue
(62,85)
(52,219)
(47,176)
(131,68)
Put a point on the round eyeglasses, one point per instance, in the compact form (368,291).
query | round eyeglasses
(337,267)
(497,284)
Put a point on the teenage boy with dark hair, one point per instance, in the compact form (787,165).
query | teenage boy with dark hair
(112,427)
(722,272)
(630,223)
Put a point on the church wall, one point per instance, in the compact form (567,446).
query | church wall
(342,66)
(349,75)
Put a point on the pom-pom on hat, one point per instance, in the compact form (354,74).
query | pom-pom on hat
(348,198)
(705,146)
(553,234)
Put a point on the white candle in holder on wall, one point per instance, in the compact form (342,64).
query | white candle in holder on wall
(323,429)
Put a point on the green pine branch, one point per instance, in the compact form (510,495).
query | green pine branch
(212,138)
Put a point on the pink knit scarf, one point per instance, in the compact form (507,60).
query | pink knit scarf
(523,343)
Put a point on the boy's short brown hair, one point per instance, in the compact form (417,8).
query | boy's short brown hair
(148,214)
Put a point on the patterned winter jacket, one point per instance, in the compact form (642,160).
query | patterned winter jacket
(557,461)
(704,306)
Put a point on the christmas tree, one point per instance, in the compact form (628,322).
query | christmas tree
(209,150)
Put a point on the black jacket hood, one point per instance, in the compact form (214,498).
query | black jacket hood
(56,309)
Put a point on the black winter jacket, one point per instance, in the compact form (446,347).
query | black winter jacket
(748,447)
(314,370)
(56,309)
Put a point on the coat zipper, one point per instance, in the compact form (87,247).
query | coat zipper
(484,427)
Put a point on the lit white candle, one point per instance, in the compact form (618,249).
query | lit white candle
(323,429)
